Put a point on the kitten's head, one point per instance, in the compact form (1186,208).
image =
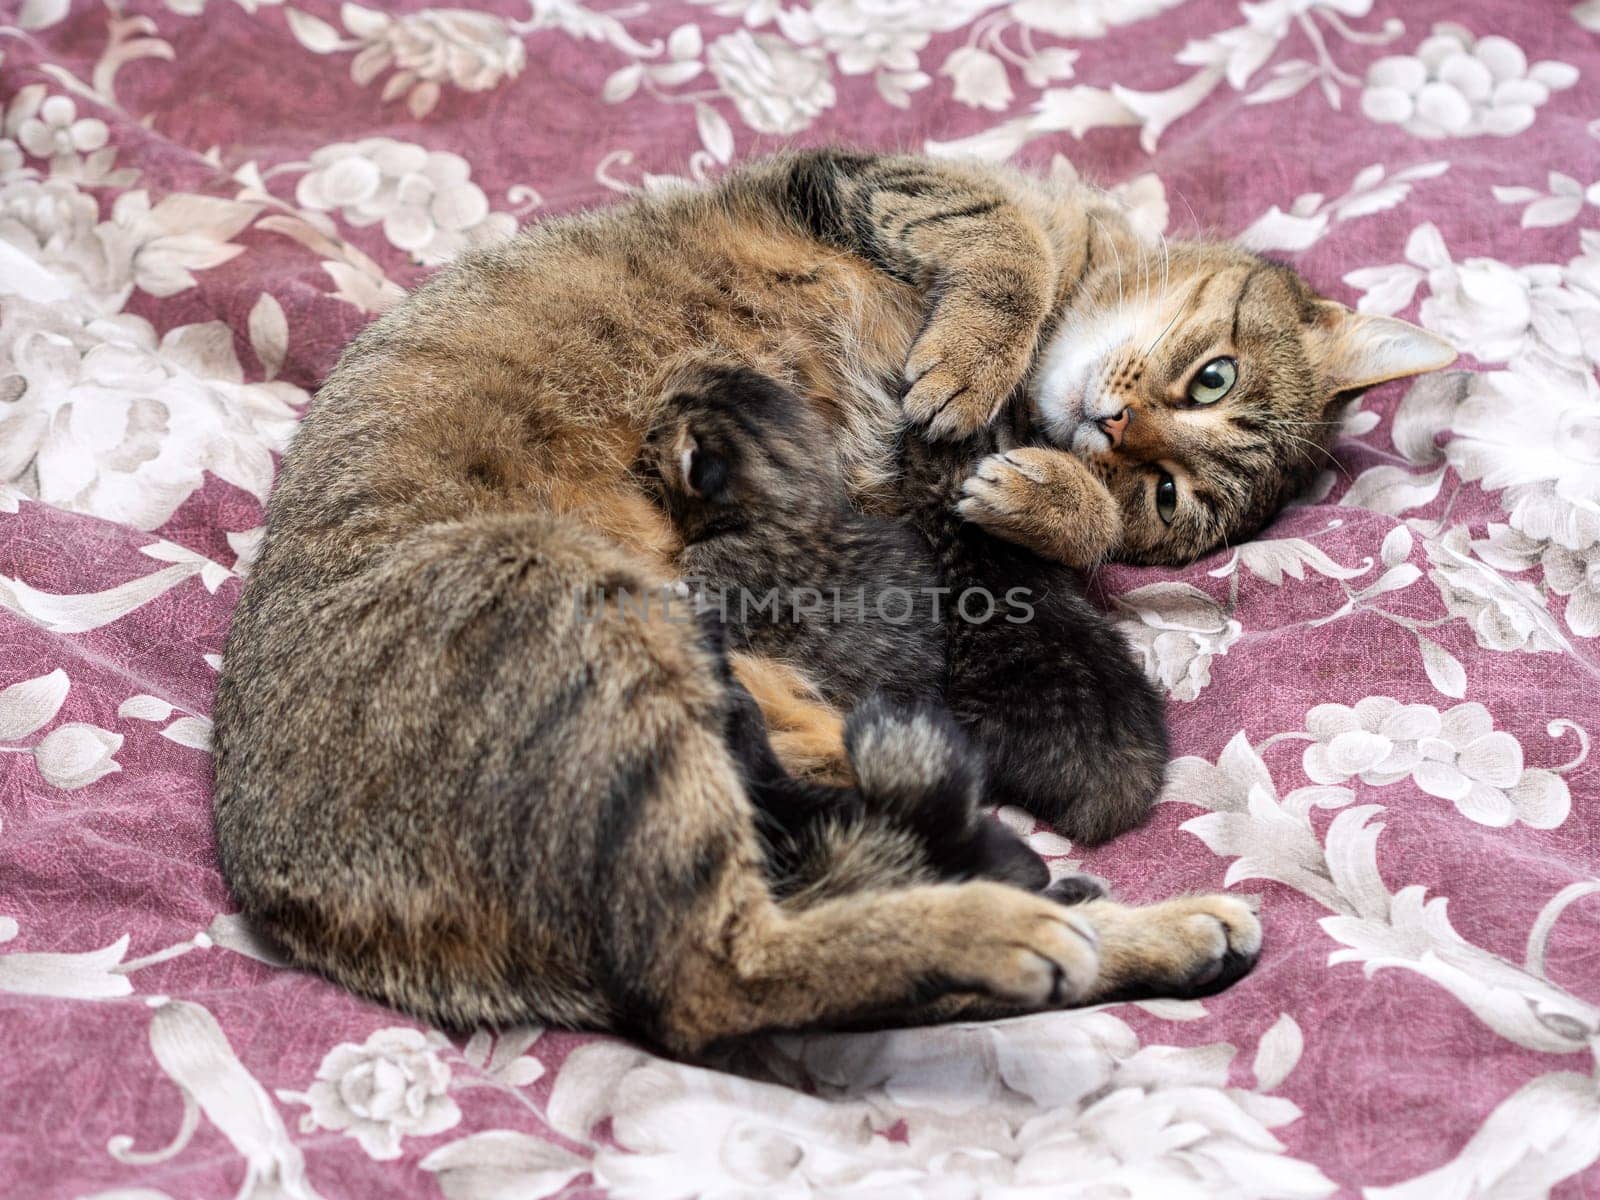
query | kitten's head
(1203,385)
(730,447)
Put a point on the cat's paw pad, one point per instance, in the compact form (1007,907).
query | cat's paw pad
(1077,888)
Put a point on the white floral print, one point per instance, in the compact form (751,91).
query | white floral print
(71,756)
(392,1086)
(85,975)
(102,415)
(1178,632)
(1530,432)
(75,755)
(979,78)
(1505,614)
(112,421)
(1456,85)
(994,1110)
(776,86)
(1576,575)
(1456,755)
(433,48)
(870,35)
(58,130)
(428,205)
(473,51)
(1495,312)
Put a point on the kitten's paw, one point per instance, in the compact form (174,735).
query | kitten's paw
(1077,888)
(957,379)
(1021,948)
(1044,500)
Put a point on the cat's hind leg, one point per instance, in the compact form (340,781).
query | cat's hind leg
(1184,948)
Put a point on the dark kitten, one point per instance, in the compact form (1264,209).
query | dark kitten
(733,459)
(747,473)
(1070,728)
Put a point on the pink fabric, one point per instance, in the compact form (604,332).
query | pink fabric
(1384,704)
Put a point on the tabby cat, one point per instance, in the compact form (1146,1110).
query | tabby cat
(441,786)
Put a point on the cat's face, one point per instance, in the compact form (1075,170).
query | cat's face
(1202,385)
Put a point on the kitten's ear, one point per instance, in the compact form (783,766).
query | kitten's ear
(705,473)
(1351,350)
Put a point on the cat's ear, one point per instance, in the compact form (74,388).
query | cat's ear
(1351,350)
(705,473)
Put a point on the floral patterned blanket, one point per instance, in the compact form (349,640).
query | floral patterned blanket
(1383,706)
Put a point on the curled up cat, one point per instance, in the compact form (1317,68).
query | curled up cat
(442,787)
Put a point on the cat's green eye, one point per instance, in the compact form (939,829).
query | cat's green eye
(1166,498)
(1213,381)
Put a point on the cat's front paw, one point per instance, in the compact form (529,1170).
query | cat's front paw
(957,377)
(1044,500)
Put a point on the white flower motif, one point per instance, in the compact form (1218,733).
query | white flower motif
(872,35)
(980,78)
(1269,838)
(1504,614)
(10,157)
(1576,575)
(1019,1105)
(1581,276)
(1535,432)
(113,422)
(1085,18)
(98,417)
(776,86)
(1378,929)
(392,1086)
(1178,632)
(56,229)
(75,755)
(49,127)
(87,975)
(1376,740)
(1456,85)
(474,51)
(1538,1137)
(427,203)
(57,130)
(1456,755)
(70,258)
(1495,312)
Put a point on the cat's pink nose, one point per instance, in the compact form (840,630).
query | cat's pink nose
(1113,427)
